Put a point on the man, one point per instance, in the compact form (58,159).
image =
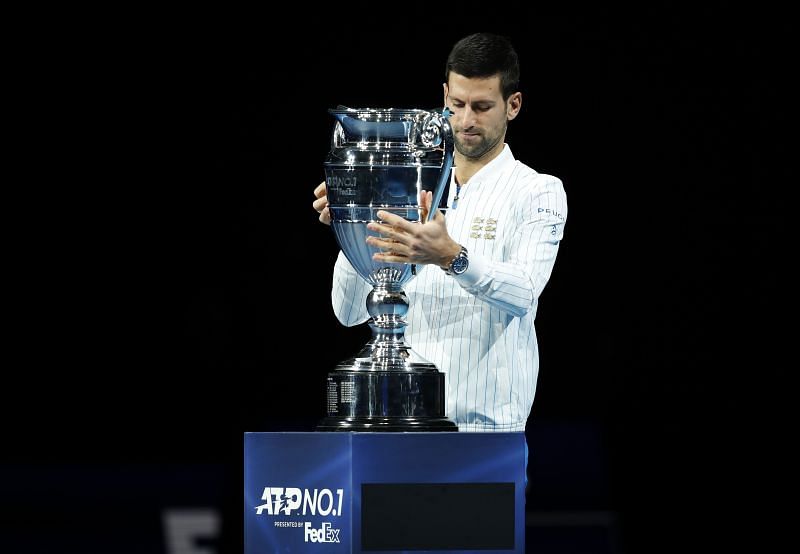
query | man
(473,315)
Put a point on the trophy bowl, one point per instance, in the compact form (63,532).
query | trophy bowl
(384,159)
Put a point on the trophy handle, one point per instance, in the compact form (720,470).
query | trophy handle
(438,129)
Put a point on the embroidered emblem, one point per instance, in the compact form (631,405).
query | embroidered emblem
(486,224)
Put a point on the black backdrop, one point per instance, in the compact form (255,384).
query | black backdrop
(176,293)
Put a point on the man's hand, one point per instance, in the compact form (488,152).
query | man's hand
(403,241)
(321,203)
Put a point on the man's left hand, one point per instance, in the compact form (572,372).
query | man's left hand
(403,241)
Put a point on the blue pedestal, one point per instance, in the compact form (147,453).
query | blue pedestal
(384,492)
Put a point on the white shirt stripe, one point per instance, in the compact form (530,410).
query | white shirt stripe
(478,328)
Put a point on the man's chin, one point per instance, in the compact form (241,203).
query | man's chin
(470,152)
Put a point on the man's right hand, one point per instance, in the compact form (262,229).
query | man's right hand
(321,203)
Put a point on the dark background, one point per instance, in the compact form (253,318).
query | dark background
(172,289)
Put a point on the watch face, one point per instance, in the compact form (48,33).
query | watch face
(460,265)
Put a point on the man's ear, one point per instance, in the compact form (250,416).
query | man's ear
(446,91)
(513,105)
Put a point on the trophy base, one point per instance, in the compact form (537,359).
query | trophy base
(371,400)
(387,424)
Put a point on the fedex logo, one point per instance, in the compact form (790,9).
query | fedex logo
(323,534)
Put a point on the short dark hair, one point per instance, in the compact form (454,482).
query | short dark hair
(483,55)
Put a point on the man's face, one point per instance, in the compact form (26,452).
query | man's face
(480,115)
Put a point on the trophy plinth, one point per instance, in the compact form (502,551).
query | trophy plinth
(384,160)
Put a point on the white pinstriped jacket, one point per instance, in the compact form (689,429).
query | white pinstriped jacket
(478,327)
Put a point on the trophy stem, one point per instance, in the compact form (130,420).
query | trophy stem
(387,351)
(386,386)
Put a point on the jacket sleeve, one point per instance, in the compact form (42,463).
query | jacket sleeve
(349,293)
(514,283)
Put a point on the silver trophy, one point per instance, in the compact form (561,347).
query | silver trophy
(383,159)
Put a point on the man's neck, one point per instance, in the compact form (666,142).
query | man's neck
(467,167)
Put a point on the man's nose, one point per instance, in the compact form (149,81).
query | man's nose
(468,117)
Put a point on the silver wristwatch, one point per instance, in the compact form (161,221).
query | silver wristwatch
(459,264)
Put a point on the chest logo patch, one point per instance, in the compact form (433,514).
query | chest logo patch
(483,228)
